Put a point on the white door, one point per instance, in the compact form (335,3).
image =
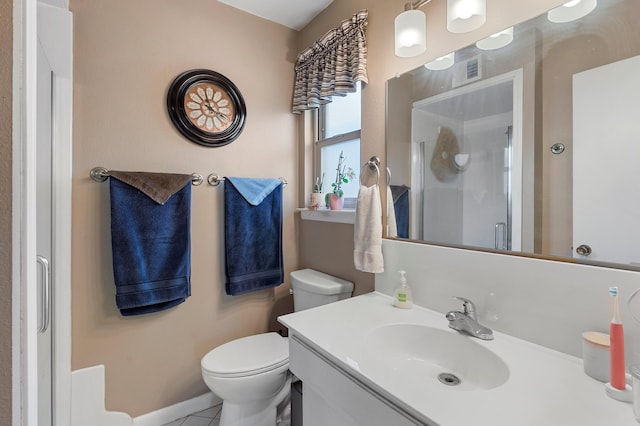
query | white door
(44,208)
(606,147)
(43,215)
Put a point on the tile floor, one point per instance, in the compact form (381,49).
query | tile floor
(208,417)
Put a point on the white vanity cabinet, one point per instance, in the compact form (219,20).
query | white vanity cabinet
(356,359)
(331,396)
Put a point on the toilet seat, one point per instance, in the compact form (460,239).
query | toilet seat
(247,356)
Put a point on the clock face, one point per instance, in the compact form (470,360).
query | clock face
(206,107)
(209,107)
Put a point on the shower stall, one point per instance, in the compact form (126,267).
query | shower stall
(467,167)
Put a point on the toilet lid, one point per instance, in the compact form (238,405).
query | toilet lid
(247,356)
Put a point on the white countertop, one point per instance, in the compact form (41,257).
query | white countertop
(545,387)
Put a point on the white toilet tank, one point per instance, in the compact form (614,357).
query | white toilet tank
(311,288)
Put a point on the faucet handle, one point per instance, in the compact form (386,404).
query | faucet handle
(468,307)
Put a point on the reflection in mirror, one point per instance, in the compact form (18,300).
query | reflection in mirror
(463,170)
(525,140)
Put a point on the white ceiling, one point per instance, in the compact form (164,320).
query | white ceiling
(290,13)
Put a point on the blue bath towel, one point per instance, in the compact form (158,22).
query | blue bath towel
(253,234)
(401,208)
(150,241)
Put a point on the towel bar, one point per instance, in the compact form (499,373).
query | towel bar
(214,180)
(100,174)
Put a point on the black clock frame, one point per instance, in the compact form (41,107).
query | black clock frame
(178,115)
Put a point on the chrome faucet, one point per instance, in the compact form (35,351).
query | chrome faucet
(467,322)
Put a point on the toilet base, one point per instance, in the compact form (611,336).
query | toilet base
(258,413)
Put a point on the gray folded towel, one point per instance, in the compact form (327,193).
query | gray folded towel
(157,186)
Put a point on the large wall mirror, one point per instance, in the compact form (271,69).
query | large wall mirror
(526,142)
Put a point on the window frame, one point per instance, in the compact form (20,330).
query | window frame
(321,141)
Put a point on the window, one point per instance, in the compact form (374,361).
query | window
(339,132)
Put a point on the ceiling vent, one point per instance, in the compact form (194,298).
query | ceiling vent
(466,72)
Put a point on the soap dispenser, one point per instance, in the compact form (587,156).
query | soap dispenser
(402,297)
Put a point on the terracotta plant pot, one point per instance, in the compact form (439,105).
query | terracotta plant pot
(335,202)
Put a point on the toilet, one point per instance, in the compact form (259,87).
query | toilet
(251,374)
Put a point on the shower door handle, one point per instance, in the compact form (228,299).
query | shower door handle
(498,227)
(45,307)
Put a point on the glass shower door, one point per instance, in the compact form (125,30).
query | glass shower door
(464,175)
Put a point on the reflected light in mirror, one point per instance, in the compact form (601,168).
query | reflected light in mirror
(441,63)
(410,33)
(465,15)
(497,40)
(572,10)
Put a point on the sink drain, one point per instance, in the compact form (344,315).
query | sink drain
(449,379)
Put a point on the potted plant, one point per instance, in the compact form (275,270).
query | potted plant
(315,200)
(335,199)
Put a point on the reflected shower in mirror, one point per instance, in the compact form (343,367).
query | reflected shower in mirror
(523,142)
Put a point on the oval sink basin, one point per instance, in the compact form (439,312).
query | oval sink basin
(420,355)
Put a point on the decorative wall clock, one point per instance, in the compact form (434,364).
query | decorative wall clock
(206,107)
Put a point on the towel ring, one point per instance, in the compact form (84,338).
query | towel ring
(100,174)
(373,164)
(388,176)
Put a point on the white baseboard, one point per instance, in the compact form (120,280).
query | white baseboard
(177,411)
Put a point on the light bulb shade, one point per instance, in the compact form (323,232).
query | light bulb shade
(410,33)
(442,63)
(465,15)
(571,11)
(497,40)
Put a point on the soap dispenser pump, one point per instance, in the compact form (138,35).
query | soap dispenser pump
(402,297)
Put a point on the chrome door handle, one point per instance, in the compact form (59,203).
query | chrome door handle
(45,308)
(583,250)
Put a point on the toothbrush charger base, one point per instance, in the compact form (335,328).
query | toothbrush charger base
(624,395)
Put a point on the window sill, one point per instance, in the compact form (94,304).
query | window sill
(327,215)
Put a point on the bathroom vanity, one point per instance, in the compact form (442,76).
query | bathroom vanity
(364,362)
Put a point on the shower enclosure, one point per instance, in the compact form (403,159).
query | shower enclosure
(467,167)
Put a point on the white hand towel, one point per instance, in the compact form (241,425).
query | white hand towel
(367,236)
(392,227)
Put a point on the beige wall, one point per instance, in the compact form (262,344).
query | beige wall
(6,64)
(125,56)
(328,247)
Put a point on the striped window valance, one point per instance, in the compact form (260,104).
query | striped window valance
(332,65)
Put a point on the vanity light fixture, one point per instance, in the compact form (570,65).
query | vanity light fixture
(497,40)
(465,15)
(441,63)
(411,25)
(411,32)
(571,10)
